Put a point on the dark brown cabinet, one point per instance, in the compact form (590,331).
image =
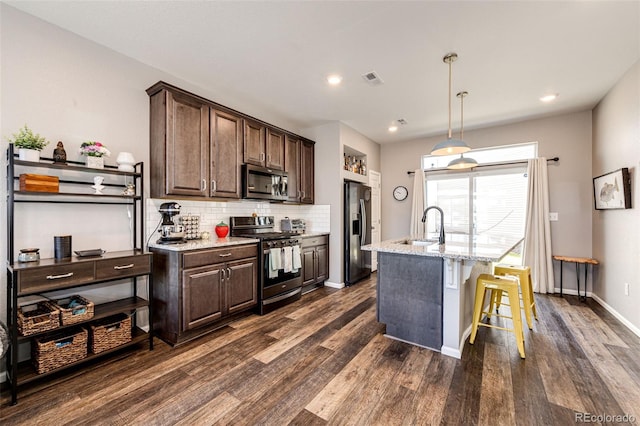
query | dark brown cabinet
(299,160)
(200,290)
(263,146)
(195,149)
(226,154)
(315,261)
(198,147)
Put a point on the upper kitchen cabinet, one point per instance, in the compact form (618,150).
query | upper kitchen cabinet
(226,154)
(179,148)
(196,149)
(299,157)
(263,146)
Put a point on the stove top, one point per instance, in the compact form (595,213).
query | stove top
(260,227)
(269,235)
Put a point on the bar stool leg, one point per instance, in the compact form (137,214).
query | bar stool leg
(514,300)
(531,299)
(477,311)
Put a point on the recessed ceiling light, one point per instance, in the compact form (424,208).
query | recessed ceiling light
(334,79)
(393,128)
(549,98)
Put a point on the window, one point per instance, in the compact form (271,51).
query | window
(488,202)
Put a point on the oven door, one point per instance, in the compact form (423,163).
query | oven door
(276,284)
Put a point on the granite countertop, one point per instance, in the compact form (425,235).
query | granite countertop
(212,242)
(457,246)
(215,242)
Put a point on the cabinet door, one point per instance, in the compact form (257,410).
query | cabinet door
(201,296)
(254,143)
(275,149)
(306,172)
(186,153)
(308,266)
(292,167)
(322,256)
(226,154)
(242,285)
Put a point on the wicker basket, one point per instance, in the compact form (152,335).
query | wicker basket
(81,309)
(37,317)
(110,332)
(60,349)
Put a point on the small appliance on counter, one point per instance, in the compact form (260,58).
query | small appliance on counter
(293,225)
(170,233)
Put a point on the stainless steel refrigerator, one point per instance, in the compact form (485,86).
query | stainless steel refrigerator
(357,231)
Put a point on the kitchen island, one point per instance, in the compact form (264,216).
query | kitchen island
(425,290)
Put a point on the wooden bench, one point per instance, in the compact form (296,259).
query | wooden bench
(586,261)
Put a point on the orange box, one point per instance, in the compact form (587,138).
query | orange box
(39,183)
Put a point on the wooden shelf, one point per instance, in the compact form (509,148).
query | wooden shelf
(100,311)
(27,373)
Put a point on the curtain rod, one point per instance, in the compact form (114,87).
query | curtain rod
(410,172)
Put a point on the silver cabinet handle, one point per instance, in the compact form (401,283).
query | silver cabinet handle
(262,156)
(228,273)
(222,278)
(129,266)
(225,255)
(204,185)
(56,277)
(214,185)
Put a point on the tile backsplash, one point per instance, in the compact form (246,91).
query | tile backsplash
(317,217)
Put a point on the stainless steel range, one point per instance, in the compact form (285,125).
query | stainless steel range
(280,280)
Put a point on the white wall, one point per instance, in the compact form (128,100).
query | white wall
(616,233)
(566,136)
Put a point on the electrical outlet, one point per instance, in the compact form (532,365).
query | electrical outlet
(626,289)
(553,216)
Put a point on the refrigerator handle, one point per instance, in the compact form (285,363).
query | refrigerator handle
(363,222)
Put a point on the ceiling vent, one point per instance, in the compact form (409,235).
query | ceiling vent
(402,121)
(372,78)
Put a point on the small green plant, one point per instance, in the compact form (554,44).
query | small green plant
(26,139)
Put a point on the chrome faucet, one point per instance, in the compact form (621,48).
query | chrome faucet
(424,219)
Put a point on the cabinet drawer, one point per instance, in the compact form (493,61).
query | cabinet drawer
(213,256)
(315,241)
(123,267)
(49,278)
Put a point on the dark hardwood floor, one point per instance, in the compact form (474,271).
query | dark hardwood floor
(324,360)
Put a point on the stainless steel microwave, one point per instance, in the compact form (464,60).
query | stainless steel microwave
(263,183)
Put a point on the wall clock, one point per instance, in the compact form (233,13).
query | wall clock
(400,193)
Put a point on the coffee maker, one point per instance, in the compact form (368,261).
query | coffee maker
(170,233)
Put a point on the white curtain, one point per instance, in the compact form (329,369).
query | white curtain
(418,203)
(537,235)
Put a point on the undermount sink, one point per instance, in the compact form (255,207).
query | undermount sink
(426,242)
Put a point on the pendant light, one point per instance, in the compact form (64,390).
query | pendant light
(450,146)
(462,162)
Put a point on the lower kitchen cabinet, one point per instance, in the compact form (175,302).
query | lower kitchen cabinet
(201,290)
(315,261)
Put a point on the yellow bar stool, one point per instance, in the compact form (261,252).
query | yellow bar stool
(498,284)
(523,273)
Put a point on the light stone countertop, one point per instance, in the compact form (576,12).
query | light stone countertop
(199,244)
(215,242)
(457,246)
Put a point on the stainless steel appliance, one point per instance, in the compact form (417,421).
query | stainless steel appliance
(263,183)
(170,233)
(276,287)
(357,231)
(293,225)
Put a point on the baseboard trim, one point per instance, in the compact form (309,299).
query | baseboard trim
(333,285)
(635,330)
(570,291)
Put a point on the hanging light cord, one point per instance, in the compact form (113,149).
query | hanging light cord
(462,95)
(450,60)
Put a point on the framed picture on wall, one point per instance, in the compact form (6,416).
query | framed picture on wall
(612,190)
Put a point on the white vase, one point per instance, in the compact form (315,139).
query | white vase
(25,154)
(126,162)
(95,162)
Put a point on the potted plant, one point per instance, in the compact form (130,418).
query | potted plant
(94,151)
(29,144)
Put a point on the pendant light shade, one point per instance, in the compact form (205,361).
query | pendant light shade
(450,145)
(462,162)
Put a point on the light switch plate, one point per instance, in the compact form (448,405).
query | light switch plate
(553,216)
